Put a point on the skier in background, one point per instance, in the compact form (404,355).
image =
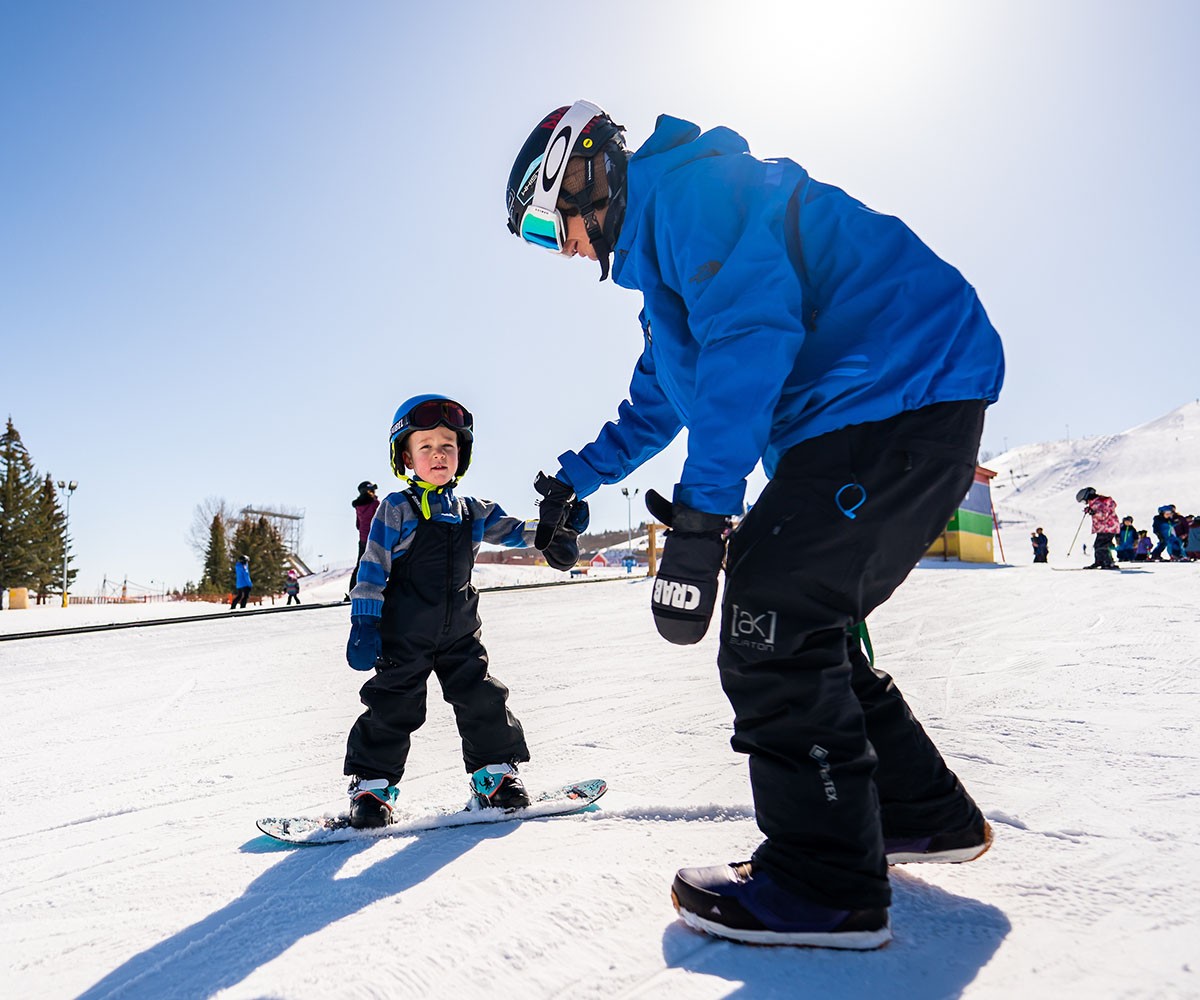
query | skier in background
(783,321)
(242,582)
(1144,546)
(365,505)
(292,587)
(1182,528)
(1041,546)
(1127,539)
(1192,549)
(1103,511)
(1163,527)
(415,612)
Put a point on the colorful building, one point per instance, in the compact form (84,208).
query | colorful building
(968,536)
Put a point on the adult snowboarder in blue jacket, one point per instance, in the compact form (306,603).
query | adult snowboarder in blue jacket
(784,322)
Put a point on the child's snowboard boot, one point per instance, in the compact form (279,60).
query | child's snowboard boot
(371,802)
(498,787)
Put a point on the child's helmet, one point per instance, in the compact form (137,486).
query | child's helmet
(291,574)
(1085,494)
(535,184)
(244,560)
(423,413)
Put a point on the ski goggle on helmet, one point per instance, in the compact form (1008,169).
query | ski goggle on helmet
(535,184)
(424,413)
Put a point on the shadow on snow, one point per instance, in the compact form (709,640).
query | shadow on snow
(299,896)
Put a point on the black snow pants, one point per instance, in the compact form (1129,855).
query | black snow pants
(1102,548)
(837,760)
(430,624)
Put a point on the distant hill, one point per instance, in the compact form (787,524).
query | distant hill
(1142,468)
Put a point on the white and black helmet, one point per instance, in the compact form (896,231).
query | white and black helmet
(535,184)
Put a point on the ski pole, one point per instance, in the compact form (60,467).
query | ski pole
(1077,530)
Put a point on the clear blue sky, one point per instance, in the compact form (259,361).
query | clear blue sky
(209,205)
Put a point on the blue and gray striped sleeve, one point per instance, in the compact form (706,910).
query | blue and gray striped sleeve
(491,524)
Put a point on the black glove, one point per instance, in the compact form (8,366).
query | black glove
(563,551)
(364,646)
(560,520)
(685,590)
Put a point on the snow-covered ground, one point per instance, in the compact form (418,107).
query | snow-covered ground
(134,763)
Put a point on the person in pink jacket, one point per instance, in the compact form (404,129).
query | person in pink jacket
(365,505)
(1105,525)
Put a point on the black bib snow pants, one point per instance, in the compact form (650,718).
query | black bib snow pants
(837,759)
(430,624)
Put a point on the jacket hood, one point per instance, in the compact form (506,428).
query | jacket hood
(674,143)
(362,501)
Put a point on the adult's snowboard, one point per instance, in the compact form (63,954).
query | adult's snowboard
(314,830)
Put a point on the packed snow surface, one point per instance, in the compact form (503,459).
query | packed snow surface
(135,763)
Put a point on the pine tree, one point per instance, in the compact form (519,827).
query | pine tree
(49,531)
(19,489)
(213,580)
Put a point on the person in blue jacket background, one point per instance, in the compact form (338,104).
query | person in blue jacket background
(784,322)
(242,582)
(1127,539)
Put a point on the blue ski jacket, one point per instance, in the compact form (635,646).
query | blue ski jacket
(242,573)
(776,309)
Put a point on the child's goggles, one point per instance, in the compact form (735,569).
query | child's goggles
(434,413)
(542,224)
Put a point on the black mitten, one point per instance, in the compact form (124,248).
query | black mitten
(563,551)
(685,590)
(554,509)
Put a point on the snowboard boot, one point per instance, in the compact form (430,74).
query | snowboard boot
(371,802)
(498,787)
(741,902)
(955,847)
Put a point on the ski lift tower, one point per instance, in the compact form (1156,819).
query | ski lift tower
(289,525)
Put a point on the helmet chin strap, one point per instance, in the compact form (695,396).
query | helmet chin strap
(599,241)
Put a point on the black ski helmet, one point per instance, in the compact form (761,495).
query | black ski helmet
(244,560)
(1084,495)
(423,413)
(535,192)
(366,486)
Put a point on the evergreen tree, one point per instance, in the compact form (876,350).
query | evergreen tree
(261,541)
(19,489)
(49,531)
(213,580)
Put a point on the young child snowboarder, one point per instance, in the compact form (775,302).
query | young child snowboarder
(291,586)
(414,611)
(785,322)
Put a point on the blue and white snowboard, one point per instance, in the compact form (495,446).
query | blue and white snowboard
(314,830)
